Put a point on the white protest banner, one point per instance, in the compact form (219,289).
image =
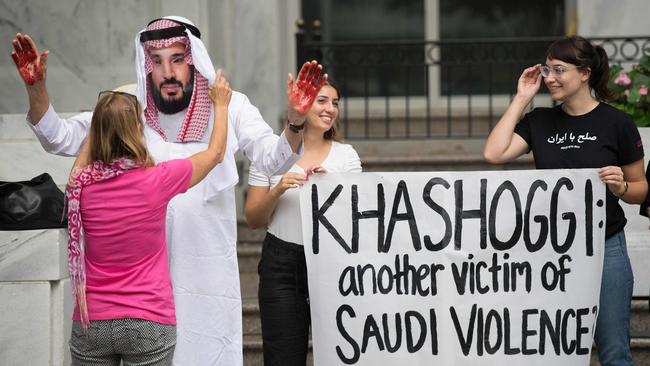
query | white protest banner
(454,268)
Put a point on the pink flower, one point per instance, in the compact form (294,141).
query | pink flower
(622,79)
(643,90)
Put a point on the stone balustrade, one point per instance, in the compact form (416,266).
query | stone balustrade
(35,298)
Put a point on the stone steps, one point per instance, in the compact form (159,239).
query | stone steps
(253,355)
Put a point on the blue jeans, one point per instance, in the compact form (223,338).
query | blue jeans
(613,324)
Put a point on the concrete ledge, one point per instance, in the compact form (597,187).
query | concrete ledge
(33,255)
(418,147)
(23,160)
(433,163)
(13,127)
(61,321)
(23,156)
(25,323)
(439,159)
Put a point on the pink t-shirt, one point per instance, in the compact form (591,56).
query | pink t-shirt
(127,274)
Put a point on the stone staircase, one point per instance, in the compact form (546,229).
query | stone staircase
(404,155)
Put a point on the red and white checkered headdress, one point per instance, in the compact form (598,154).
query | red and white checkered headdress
(197,117)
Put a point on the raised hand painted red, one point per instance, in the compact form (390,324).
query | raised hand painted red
(303,92)
(27,60)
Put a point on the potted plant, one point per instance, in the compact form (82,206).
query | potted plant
(631,89)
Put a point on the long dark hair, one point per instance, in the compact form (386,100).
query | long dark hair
(333,133)
(578,51)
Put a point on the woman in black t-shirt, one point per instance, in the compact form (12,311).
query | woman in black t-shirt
(583,132)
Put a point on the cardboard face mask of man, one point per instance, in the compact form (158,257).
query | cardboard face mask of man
(171,80)
(173,84)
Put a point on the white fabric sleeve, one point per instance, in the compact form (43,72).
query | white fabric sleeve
(271,154)
(61,136)
(257,178)
(352,162)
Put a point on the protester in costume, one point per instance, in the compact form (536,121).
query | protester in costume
(173,72)
(117,256)
(274,200)
(597,136)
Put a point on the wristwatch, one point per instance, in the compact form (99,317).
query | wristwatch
(295,128)
(624,190)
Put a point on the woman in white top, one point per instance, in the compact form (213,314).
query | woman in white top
(283,293)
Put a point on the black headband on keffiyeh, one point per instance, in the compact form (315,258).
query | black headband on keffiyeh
(156,34)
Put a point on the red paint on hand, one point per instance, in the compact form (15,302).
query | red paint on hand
(27,61)
(303,92)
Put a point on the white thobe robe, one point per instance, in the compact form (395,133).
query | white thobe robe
(201,226)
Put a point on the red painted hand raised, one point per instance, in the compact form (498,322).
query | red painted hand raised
(303,92)
(31,66)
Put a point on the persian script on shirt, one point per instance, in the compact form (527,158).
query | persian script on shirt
(568,140)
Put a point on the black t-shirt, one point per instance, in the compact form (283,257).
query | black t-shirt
(602,137)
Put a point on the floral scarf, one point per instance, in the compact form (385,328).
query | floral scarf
(80,178)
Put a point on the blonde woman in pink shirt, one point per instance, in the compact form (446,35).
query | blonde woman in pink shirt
(117,253)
